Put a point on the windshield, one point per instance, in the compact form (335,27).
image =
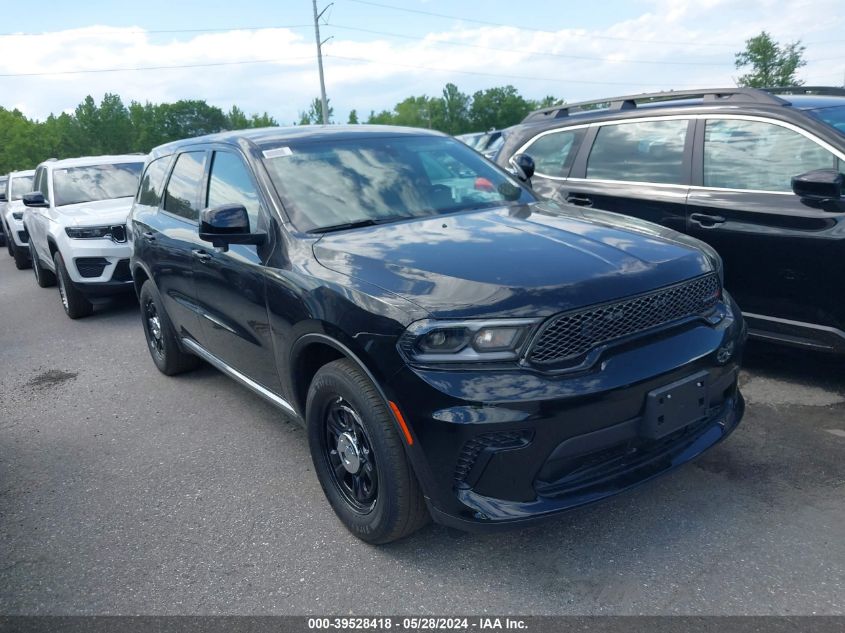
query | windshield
(95,182)
(834,117)
(20,186)
(334,183)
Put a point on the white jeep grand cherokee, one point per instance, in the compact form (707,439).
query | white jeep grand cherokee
(76,222)
(19,183)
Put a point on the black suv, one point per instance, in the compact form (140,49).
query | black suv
(755,173)
(453,346)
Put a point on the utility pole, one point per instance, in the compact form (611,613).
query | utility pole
(317,17)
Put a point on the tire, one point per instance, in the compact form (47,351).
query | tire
(43,277)
(10,246)
(161,335)
(73,301)
(22,259)
(386,503)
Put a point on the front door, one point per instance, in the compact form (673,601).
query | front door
(784,257)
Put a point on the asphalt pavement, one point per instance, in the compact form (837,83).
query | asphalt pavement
(123,491)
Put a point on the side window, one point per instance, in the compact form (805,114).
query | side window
(41,183)
(230,183)
(648,151)
(553,153)
(757,155)
(182,193)
(149,190)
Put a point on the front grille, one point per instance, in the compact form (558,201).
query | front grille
(571,335)
(121,271)
(23,236)
(471,450)
(91,266)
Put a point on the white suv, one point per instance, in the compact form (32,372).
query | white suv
(76,222)
(19,183)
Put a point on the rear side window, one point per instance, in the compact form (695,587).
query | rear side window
(648,151)
(182,194)
(230,183)
(554,153)
(152,183)
(758,155)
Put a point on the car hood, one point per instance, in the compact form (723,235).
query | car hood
(99,212)
(529,260)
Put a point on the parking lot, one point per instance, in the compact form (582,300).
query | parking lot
(123,491)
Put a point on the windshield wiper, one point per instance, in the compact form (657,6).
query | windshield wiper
(357,224)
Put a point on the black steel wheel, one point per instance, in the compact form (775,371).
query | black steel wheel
(161,335)
(359,456)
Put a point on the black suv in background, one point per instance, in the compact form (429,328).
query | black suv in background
(755,173)
(453,346)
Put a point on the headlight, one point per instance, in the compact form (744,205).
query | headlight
(435,341)
(88,232)
(18,215)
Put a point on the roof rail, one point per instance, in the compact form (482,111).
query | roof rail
(807,90)
(732,95)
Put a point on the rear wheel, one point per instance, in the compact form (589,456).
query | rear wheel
(74,302)
(359,456)
(161,335)
(43,277)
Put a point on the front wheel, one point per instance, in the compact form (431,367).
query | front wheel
(22,259)
(359,457)
(74,302)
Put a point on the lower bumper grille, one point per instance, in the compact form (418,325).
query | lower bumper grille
(477,451)
(121,271)
(91,266)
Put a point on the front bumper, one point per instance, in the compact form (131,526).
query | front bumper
(17,232)
(96,263)
(497,448)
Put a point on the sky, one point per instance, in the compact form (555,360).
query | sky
(261,54)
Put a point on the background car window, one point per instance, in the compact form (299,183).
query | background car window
(182,192)
(149,191)
(757,155)
(650,151)
(230,183)
(553,153)
(19,186)
(74,185)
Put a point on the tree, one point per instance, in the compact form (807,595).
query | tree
(497,108)
(236,119)
(353,117)
(772,64)
(314,113)
(455,110)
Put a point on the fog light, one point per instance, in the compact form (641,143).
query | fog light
(724,353)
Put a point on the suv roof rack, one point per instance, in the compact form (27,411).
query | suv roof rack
(631,102)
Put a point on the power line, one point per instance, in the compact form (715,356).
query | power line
(483,74)
(123,30)
(137,68)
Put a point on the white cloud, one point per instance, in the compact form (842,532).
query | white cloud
(700,31)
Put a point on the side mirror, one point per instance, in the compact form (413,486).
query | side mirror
(820,184)
(523,166)
(228,224)
(34,199)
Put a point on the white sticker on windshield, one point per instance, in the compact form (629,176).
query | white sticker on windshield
(276,153)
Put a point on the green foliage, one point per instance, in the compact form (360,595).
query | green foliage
(353,117)
(314,114)
(772,64)
(457,113)
(111,127)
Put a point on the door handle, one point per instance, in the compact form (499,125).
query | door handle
(579,199)
(705,220)
(149,236)
(201,255)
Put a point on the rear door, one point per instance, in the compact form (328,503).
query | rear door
(230,286)
(784,257)
(635,167)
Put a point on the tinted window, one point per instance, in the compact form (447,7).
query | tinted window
(149,191)
(334,182)
(72,185)
(651,151)
(553,153)
(41,182)
(184,185)
(21,185)
(834,116)
(230,183)
(758,155)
